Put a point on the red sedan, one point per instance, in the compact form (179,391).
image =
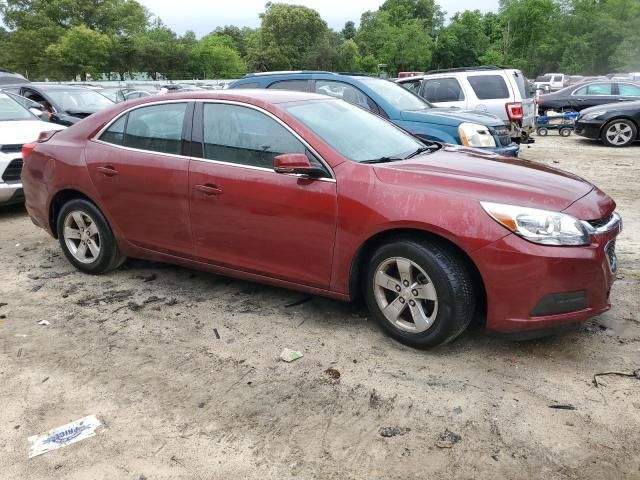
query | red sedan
(309,192)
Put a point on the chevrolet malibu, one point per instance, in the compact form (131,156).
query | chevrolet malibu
(308,192)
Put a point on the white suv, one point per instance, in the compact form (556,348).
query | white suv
(502,92)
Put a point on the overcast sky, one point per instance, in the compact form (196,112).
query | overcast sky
(203,16)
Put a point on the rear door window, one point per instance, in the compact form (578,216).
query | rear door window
(596,89)
(115,133)
(157,128)
(443,90)
(489,87)
(296,85)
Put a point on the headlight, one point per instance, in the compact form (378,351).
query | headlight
(592,115)
(475,135)
(539,226)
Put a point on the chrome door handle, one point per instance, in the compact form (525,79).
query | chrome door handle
(108,171)
(209,189)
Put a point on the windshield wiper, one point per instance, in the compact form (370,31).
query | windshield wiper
(431,148)
(383,160)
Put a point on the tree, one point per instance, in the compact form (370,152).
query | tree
(349,57)
(80,51)
(463,42)
(216,57)
(288,37)
(349,31)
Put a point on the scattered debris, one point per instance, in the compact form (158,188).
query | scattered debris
(110,296)
(448,439)
(289,356)
(3,304)
(44,323)
(333,373)
(171,302)
(48,275)
(457,410)
(567,406)
(147,278)
(299,302)
(635,374)
(389,432)
(134,307)
(19,352)
(35,288)
(62,436)
(44,379)
(215,332)
(154,299)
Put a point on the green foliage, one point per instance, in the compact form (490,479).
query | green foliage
(64,38)
(216,57)
(79,51)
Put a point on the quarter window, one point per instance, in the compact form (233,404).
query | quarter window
(157,128)
(443,90)
(488,87)
(245,136)
(628,90)
(115,133)
(595,89)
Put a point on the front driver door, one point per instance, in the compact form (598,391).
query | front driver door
(247,217)
(593,95)
(142,177)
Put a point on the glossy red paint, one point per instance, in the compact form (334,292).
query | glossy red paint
(309,234)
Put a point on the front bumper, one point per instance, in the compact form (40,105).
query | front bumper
(11,193)
(589,128)
(510,151)
(521,277)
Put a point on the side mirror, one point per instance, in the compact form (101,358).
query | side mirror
(296,163)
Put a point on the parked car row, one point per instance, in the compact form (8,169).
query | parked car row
(477,129)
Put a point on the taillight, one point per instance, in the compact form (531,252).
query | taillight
(514,111)
(46,136)
(27,148)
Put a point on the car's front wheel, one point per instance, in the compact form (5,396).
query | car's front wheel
(86,239)
(619,133)
(420,292)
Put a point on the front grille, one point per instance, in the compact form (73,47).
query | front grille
(503,135)
(13,171)
(11,148)
(612,259)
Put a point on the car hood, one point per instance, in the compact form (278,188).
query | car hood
(451,117)
(487,177)
(24,131)
(618,106)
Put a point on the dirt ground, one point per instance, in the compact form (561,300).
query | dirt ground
(138,349)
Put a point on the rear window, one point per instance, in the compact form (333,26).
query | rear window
(543,78)
(523,85)
(489,87)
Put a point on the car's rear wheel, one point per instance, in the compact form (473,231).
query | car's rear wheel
(86,238)
(420,292)
(619,133)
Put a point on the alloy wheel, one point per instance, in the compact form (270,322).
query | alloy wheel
(405,295)
(619,133)
(82,237)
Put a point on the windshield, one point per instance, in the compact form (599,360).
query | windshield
(10,110)
(353,132)
(399,97)
(79,99)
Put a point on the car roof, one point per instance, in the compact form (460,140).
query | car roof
(68,88)
(243,95)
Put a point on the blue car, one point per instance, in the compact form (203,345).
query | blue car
(390,100)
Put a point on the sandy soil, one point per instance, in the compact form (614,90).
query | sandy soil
(179,403)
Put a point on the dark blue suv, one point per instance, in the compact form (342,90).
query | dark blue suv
(390,100)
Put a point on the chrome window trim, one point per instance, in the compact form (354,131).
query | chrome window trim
(96,137)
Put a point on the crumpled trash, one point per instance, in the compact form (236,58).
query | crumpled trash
(448,439)
(62,436)
(289,355)
(44,322)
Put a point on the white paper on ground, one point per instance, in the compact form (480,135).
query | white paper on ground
(62,436)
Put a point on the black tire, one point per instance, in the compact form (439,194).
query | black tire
(109,257)
(542,131)
(456,296)
(565,132)
(624,124)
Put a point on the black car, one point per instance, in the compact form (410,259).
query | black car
(585,95)
(64,104)
(616,124)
